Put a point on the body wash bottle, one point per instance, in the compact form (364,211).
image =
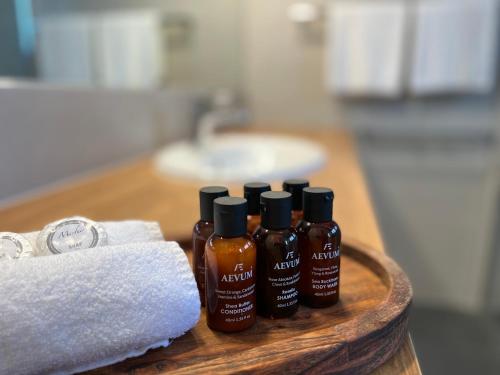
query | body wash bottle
(295,186)
(277,257)
(252,191)
(230,260)
(319,244)
(202,230)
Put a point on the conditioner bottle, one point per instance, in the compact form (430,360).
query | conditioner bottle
(252,191)
(230,260)
(277,257)
(319,244)
(202,230)
(295,186)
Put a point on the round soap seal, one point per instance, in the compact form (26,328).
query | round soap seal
(71,234)
(14,246)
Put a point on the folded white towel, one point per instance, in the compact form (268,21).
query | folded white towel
(85,309)
(118,233)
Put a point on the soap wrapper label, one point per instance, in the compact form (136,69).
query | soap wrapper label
(72,234)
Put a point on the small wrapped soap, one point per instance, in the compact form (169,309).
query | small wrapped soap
(78,233)
(14,246)
(75,233)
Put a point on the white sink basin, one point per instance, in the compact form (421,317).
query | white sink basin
(241,157)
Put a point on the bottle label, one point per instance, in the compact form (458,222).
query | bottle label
(14,246)
(287,264)
(325,271)
(70,235)
(284,281)
(236,300)
(237,277)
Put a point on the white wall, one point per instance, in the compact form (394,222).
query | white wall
(284,72)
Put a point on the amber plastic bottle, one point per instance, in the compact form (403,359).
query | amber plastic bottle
(202,230)
(230,260)
(295,186)
(277,257)
(319,244)
(252,191)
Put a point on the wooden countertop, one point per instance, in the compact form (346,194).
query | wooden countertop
(137,191)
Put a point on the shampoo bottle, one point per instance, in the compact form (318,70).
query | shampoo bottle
(230,260)
(319,244)
(202,230)
(295,186)
(277,257)
(252,191)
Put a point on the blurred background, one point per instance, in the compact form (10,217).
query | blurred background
(90,83)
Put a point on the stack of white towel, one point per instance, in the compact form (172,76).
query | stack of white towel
(89,308)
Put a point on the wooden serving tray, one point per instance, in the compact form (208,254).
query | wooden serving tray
(360,333)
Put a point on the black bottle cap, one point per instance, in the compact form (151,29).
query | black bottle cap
(251,192)
(318,204)
(276,209)
(295,187)
(207,196)
(230,216)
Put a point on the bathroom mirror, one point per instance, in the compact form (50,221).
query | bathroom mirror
(138,44)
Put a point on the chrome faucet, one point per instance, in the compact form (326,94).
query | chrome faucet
(227,110)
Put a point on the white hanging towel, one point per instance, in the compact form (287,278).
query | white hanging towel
(455,47)
(364,47)
(64,49)
(128,49)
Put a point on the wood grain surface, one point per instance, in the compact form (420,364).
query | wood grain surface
(136,190)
